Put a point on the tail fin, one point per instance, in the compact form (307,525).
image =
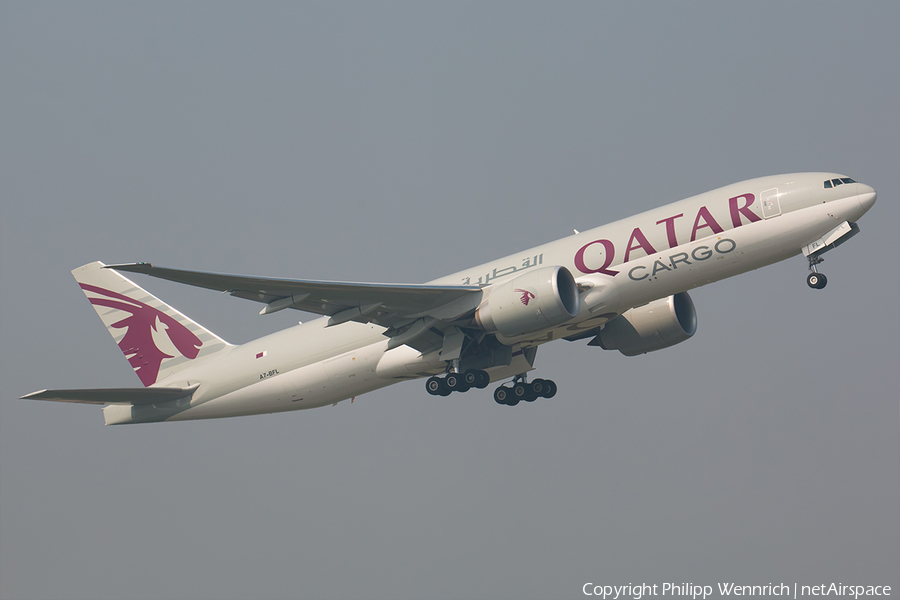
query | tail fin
(156,339)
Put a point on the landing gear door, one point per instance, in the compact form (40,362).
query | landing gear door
(771,207)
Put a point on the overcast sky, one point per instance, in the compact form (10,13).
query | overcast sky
(399,142)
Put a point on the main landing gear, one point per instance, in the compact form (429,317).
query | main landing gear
(815,279)
(510,395)
(457,382)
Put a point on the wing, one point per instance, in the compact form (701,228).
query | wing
(150,395)
(409,311)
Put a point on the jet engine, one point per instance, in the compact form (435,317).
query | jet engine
(534,301)
(654,326)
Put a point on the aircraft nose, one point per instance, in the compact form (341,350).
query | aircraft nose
(866,195)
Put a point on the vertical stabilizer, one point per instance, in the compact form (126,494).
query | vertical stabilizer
(156,339)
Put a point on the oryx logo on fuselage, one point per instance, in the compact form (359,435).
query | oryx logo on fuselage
(526,296)
(138,345)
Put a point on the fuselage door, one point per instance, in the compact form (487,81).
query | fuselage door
(771,207)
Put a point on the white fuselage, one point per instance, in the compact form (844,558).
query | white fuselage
(627,263)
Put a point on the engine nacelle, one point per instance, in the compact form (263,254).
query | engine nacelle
(532,302)
(654,326)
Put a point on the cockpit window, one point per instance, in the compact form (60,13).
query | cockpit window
(833,183)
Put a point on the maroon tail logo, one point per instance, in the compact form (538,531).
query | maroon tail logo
(138,345)
(526,296)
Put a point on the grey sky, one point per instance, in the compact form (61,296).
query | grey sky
(399,142)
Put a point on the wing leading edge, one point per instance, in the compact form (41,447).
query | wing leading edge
(390,305)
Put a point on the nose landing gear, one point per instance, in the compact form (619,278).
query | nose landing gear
(815,279)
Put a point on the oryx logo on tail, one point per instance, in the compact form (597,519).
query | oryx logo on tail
(143,332)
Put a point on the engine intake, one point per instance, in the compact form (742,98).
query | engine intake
(654,326)
(532,302)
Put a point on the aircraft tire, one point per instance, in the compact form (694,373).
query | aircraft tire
(470,378)
(484,380)
(530,392)
(456,383)
(502,395)
(434,385)
(817,281)
(549,389)
(520,391)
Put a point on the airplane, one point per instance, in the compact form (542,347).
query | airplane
(623,286)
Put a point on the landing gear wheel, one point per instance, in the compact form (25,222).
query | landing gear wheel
(470,378)
(434,385)
(550,388)
(816,280)
(502,396)
(483,379)
(521,391)
(538,387)
(532,392)
(456,383)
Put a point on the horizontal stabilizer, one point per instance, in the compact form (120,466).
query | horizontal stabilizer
(134,396)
